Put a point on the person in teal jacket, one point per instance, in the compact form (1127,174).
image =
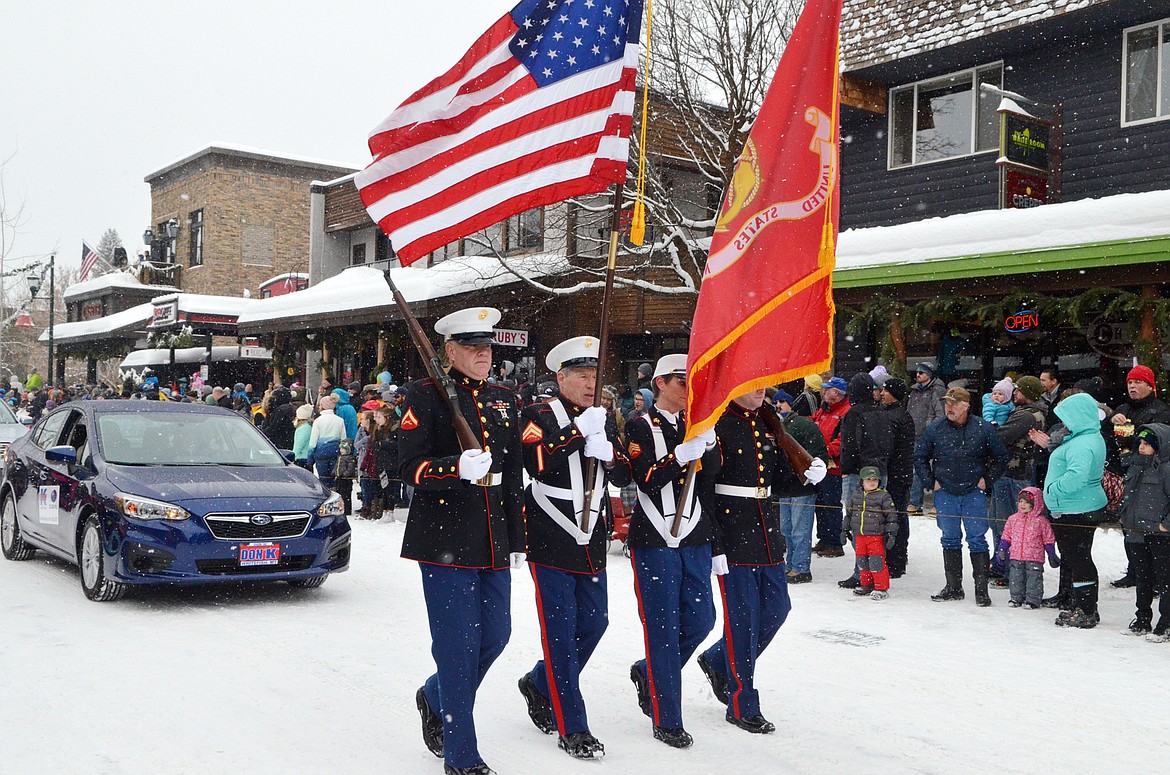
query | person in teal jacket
(346,412)
(1074,496)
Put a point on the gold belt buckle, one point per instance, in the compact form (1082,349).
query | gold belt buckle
(761,493)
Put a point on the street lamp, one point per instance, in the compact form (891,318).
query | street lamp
(159,245)
(34,286)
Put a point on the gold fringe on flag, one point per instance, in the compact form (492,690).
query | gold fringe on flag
(638,223)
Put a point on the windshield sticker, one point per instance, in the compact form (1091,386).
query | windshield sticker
(49,501)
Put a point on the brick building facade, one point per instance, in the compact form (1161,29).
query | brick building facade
(243,217)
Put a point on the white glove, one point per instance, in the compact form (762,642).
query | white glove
(599,447)
(474,464)
(708,437)
(719,565)
(690,450)
(816,471)
(516,560)
(591,421)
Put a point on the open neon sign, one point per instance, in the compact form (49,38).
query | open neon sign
(1024,320)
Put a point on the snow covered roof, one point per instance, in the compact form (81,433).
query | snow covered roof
(201,304)
(157,357)
(111,280)
(363,288)
(258,154)
(1085,222)
(131,319)
(874,31)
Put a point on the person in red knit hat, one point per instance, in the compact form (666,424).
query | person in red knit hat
(1144,407)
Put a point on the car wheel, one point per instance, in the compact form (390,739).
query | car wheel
(94,583)
(308,583)
(11,541)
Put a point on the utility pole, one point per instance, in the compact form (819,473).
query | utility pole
(52,310)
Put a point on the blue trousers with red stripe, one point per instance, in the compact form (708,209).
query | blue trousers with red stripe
(471,619)
(755,605)
(573,609)
(677,610)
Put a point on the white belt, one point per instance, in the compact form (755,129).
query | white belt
(490,480)
(560,493)
(735,491)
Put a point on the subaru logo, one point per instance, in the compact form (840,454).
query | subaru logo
(261,519)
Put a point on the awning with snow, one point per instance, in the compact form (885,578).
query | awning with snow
(360,294)
(127,323)
(1120,230)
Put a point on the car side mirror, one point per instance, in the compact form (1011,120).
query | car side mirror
(289,455)
(62,454)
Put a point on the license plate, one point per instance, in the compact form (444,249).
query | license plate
(259,554)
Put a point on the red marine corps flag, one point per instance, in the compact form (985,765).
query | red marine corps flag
(765,309)
(537,111)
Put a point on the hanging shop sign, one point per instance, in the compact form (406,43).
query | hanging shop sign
(1024,140)
(511,338)
(1022,321)
(1023,188)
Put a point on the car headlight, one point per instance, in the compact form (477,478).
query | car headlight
(333,507)
(148,508)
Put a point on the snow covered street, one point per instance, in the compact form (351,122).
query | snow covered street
(270,679)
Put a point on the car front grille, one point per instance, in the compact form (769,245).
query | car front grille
(239,527)
(232,567)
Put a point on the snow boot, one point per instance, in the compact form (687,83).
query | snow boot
(643,688)
(674,737)
(432,727)
(375,509)
(757,725)
(581,745)
(475,769)
(953,567)
(539,708)
(980,572)
(717,681)
(1138,627)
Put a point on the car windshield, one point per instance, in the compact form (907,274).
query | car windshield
(6,415)
(182,439)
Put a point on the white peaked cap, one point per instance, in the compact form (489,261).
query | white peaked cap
(578,351)
(473,325)
(675,364)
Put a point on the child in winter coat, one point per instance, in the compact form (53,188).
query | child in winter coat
(1027,537)
(1145,516)
(997,404)
(872,523)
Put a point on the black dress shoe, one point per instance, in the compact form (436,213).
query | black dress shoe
(643,688)
(581,745)
(715,678)
(539,709)
(475,769)
(432,727)
(799,578)
(757,725)
(849,583)
(675,738)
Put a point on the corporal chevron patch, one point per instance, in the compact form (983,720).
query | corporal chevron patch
(532,433)
(409,421)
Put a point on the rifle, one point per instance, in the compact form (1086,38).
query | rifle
(798,456)
(443,383)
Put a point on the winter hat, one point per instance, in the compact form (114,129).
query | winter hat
(837,383)
(925,368)
(645,370)
(1026,496)
(869,472)
(1030,386)
(879,374)
(813,382)
(896,387)
(1004,386)
(1149,437)
(305,412)
(1143,374)
(782,395)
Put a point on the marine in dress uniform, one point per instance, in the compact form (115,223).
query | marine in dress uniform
(753,584)
(671,574)
(466,528)
(567,562)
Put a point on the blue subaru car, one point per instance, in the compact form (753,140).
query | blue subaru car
(149,492)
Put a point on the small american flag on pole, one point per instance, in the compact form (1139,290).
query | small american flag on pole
(537,111)
(89,259)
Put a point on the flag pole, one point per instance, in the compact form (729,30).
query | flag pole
(615,227)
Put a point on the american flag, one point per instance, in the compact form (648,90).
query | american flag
(537,111)
(89,259)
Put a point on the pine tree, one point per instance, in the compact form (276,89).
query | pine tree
(106,245)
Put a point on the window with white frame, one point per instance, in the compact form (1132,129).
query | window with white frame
(943,118)
(1145,72)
